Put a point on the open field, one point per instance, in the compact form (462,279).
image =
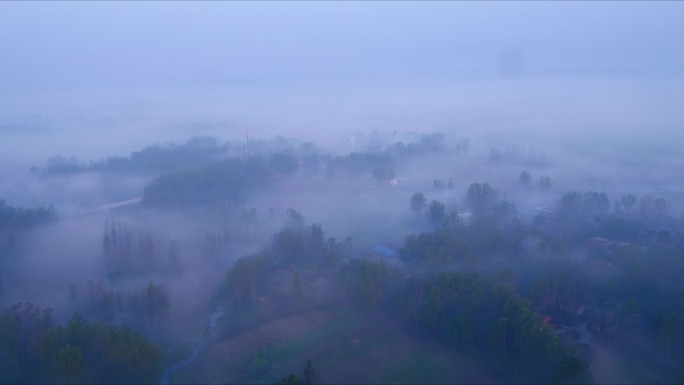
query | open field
(344,346)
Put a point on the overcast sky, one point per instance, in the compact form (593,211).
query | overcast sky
(427,65)
(81,44)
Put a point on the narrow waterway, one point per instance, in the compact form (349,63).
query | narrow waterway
(213,319)
(583,330)
(609,367)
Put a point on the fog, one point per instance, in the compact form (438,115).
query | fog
(446,192)
(530,69)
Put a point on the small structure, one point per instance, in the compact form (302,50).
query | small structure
(397,182)
(114,205)
(385,251)
(465,217)
(543,211)
(606,244)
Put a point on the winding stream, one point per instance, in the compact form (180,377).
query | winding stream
(215,316)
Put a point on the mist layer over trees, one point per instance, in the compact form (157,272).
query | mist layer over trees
(305,193)
(447,253)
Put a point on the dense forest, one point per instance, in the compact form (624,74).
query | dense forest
(511,277)
(36,351)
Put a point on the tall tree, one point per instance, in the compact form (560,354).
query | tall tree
(525,178)
(309,375)
(481,197)
(418,202)
(69,364)
(297,287)
(436,211)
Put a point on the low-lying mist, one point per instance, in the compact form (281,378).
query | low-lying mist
(341,193)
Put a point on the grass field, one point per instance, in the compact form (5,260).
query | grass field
(344,346)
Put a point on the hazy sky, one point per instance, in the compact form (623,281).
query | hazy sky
(542,66)
(76,45)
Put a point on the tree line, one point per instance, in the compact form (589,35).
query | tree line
(468,312)
(34,350)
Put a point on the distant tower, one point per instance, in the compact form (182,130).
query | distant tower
(247,137)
